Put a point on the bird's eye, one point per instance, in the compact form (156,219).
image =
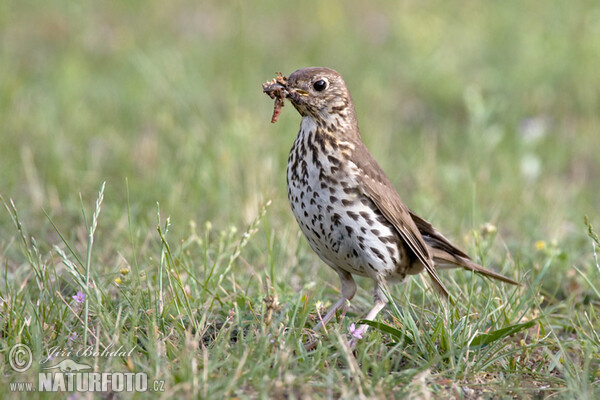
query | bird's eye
(320,85)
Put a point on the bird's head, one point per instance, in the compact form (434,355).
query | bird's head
(321,93)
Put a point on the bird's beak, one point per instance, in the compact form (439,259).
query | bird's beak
(297,95)
(301,92)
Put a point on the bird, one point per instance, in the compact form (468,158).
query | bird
(345,205)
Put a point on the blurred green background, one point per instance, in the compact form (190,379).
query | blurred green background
(478,111)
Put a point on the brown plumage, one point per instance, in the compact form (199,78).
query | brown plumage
(347,208)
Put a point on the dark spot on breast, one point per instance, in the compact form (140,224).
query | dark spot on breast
(349,230)
(333,199)
(336,245)
(378,253)
(391,250)
(347,202)
(388,239)
(333,160)
(375,232)
(329,179)
(303,167)
(336,219)
(302,149)
(352,215)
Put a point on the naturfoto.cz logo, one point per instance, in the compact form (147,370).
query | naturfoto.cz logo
(71,376)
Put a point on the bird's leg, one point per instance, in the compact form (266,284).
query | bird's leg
(348,289)
(380,302)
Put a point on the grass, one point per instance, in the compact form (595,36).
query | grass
(139,168)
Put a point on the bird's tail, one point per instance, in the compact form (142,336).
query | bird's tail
(447,255)
(443,259)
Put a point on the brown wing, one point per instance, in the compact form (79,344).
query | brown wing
(377,187)
(433,238)
(445,254)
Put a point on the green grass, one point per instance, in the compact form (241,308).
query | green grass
(479,113)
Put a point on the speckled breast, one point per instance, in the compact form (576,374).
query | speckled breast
(341,225)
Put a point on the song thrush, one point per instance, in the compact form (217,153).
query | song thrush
(346,206)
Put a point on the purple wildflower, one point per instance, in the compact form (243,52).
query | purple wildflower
(72,338)
(79,297)
(356,332)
